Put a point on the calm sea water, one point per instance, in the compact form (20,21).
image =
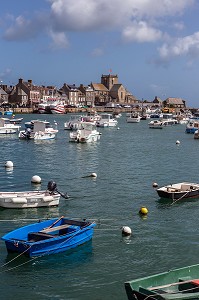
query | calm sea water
(128,159)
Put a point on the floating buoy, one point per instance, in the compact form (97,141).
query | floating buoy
(93,175)
(126,230)
(177,142)
(36,179)
(9,164)
(155,184)
(118,128)
(143,210)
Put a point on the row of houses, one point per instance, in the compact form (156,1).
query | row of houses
(109,90)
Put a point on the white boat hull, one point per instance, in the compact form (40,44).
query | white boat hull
(8,130)
(86,134)
(28,199)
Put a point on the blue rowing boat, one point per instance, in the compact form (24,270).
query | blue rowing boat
(48,237)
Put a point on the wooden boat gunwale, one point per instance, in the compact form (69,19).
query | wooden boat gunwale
(171,285)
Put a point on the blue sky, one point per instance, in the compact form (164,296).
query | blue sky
(152,45)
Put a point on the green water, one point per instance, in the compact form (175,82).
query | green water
(128,159)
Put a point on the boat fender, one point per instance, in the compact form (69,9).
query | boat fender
(48,198)
(19,200)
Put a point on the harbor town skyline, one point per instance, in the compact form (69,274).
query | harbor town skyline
(153,46)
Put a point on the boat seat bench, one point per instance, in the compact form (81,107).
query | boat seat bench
(38,236)
(47,230)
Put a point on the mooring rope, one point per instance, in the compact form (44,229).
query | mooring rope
(180,198)
(46,253)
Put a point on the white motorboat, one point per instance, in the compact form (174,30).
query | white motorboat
(87,133)
(133,118)
(73,123)
(8,128)
(30,199)
(168,120)
(192,126)
(38,130)
(92,116)
(155,124)
(106,120)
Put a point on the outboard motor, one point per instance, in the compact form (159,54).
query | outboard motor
(28,133)
(52,186)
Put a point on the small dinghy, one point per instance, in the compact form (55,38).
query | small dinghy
(48,237)
(29,199)
(179,191)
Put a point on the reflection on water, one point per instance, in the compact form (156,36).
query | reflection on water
(71,259)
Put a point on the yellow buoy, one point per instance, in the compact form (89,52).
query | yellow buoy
(143,210)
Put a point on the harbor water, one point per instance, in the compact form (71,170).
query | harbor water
(127,159)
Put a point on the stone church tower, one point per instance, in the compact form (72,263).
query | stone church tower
(109,80)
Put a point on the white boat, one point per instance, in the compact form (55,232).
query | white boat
(73,123)
(57,108)
(168,120)
(86,134)
(92,116)
(179,191)
(16,120)
(192,126)
(106,120)
(8,128)
(196,134)
(155,124)
(40,130)
(30,199)
(42,107)
(133,118)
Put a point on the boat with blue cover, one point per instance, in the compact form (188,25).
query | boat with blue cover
(49,236)
(192,126)
(176,284)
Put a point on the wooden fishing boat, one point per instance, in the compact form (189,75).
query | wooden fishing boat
(48,237)
(177,284)
(179,191)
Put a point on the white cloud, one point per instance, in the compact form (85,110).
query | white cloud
(137,20)
(92,14)
(97,52)
(141,32)
(179,25)
(59,39)
(188,45)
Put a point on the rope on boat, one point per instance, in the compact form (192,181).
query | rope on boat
(180,198)
(171,293)
(15,257)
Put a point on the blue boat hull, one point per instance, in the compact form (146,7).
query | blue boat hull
(32,240)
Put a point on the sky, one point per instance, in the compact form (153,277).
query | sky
(151,45)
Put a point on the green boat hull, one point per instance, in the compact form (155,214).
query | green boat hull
(177,284)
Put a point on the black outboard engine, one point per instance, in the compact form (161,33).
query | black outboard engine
(52,186)
(28,133)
